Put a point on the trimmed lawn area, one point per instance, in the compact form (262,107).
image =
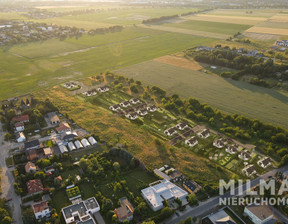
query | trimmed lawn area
(60,199)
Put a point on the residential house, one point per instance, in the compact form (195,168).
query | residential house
(92,140)
(264,162)
(41,210)
(34,144)
(81,212)
(103,89)
(31,154)
(34,186)
(85,143)
(92,92)
(171,131)
(232,149)
(125,104)
(20,137)
(115,107)
(21,118)
(69,136)
(152,108)
(19,126)
(191,186)
(220,217)
(125,212)
(204,133)
(259,214)
(162,190)
(63,127)
(132,116)
(182,125)
(30,167)
(142,112)
(219,143)
(249,170)
(47,152)
(176,175)
(244,155)
(191,141)
(78,144)
(53,118)
(134,100)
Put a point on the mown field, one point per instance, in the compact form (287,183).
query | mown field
(228,95)
(114,16)
(208,26)
(27,67)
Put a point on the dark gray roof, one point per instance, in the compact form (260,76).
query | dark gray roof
(32,144)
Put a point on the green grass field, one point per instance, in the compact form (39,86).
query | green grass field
(228,95)
(213,27)
(27,67)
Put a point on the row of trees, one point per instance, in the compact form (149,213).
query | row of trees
(245,64)
(160,19)
(111,29)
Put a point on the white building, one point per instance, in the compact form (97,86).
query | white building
(63,148)
(160,190)
(92,140)
(264,162)
(259,214)
(78,144)
(85,143)
(191,141)
(71,146)
(20,137)
(41,210)
(19,126)
(81,212)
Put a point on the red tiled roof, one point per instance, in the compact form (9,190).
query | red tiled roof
(40,207)
(19,124)
(34,186)
(63,127)
(21,118)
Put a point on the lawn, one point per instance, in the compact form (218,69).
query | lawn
(60,199)
(225,94)
(213,27)
(29,67)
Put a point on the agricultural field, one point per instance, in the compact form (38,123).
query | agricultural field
(228,95)
(113,16)
(27,67)
(212,27)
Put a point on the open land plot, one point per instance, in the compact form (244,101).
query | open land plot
(212,27)
(226,19)
(119,16)
(140,143)
(228,95)
(265,13)
(19,75)
(268,30)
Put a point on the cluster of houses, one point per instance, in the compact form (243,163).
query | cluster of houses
(19,126)
(17,32)
(133,108)
(93,92)
(244,155)
(71,85)
(257,213)
(282,43)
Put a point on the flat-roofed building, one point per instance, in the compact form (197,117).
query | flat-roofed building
(81,212)
(158,191)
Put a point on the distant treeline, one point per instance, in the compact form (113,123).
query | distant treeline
(253,65)
(160,19)
(111,29)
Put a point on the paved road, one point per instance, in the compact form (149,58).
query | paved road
(207,206)
(8,180)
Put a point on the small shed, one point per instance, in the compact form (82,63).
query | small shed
(71,146)
(78,144)
(92,140)
(63,148)
(85,142)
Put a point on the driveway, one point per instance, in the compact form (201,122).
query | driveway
(8,180)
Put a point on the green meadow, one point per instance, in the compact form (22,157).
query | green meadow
(28,67)
(213,27)
(227,95)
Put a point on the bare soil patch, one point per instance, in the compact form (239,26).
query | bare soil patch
(267,30)
(179,62)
